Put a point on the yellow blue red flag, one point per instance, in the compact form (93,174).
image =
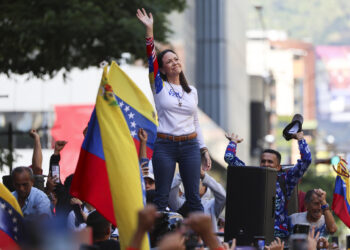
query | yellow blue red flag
(10,220)
(108,173)
(341,195)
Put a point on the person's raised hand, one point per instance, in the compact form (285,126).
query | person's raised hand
(146,218)
(202,225)
(59,145)
(312,239)
(172,241)
(76,201)
(146,19)
(142,135)
(51,183)
(322,243)
(298,136)
(206,161)
(145,170)
(321,195)
(227,246)
(277,244)
(233,246)
(34,134)
(233,137)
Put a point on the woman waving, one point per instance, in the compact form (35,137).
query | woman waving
(179,137)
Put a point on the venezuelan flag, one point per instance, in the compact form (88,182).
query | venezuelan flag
(341,195)
(10,220)
(108,173)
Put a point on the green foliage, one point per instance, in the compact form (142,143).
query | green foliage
(43,37)
(311,181)
(7,158)
(324,22)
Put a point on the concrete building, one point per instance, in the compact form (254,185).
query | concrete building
(289,68)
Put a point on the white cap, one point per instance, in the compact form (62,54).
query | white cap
(149,175)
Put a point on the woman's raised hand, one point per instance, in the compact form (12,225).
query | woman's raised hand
(147,20)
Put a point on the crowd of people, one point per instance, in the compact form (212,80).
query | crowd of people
(189,202)
(43,203)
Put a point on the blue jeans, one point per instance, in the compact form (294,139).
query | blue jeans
(165,155)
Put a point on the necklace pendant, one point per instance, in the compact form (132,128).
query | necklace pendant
(180,104)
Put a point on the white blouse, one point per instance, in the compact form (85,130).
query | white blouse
(175,119)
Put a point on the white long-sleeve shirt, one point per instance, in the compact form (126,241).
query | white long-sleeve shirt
(174,119)
(213,206)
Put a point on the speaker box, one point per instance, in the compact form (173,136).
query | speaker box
(250,204)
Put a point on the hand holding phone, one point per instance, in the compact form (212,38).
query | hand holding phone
(55,173)
(145,171)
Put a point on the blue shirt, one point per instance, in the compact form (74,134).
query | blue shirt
(282,221)
(36,204)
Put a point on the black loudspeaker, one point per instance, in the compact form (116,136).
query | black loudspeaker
(250,204)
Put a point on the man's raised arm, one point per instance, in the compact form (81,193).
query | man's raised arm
(37,159)
(230,154)
(294,174)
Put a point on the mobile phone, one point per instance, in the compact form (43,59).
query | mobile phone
(259,242)
(298,242)
(334,241)
(55,172)
(301,229)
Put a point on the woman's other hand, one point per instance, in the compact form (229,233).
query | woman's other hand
(206,161)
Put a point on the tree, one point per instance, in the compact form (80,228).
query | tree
(43,37)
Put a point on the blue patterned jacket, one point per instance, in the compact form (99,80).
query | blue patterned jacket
(292,177)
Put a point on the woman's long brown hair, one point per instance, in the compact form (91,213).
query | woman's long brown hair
(183,81)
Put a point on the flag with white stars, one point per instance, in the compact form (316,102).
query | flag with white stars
(108,174)
(137,110)
(10,220)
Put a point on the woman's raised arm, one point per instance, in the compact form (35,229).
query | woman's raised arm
(154,76)
(147,20)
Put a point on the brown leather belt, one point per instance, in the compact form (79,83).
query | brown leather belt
(177,138)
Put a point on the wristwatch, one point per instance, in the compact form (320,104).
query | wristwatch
(325,206)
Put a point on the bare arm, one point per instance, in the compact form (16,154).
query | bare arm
(330,222)
(143,143)
(328,216)
(154,74)
(230,154)
(201,224)
(146,218)
(37,159)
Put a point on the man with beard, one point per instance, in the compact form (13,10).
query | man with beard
(317,213)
